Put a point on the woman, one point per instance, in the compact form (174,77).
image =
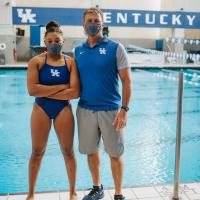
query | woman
(53,80)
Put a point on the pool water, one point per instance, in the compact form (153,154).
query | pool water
(150,135)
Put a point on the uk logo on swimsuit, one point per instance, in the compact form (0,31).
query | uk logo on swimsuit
(55,72)
(102,50)
(26,15)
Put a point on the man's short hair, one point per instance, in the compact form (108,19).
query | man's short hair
(93,10)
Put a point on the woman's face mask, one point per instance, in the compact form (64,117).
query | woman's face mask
(54,48)
(54,42)
(92,29)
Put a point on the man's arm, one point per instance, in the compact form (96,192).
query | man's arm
(125,76)
(121,117)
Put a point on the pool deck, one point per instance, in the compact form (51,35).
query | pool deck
(23,65)
(188,191)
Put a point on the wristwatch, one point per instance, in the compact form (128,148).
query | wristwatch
(126,108)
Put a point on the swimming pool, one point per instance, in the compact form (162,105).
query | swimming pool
(150,135)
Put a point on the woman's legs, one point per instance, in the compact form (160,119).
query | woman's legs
(40,127)
(64,127)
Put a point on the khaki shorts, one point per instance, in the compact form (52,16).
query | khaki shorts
(94,124)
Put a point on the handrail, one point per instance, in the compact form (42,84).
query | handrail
(178,138)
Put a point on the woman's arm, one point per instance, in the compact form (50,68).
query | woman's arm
(74,86)
(36,89)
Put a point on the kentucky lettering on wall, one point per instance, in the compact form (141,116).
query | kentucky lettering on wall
(112,17)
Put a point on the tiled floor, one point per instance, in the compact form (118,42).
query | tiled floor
(190,191)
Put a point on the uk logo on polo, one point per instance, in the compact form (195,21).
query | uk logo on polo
(55,72)
(102,50)
(82,52)
(26,15)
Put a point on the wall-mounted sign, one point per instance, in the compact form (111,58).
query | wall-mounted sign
(112,17)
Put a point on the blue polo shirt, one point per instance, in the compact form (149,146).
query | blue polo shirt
(98,67)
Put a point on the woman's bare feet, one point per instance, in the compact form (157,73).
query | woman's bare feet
(30,197)
(73,196)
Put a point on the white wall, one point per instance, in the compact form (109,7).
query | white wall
(55,3)
(134,33)
(119,4)
(131,4)
(6,22)
(192,34)
(176,5)
(7,35)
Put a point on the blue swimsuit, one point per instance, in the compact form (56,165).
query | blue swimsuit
(51,75)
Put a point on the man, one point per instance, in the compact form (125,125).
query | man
(100,111)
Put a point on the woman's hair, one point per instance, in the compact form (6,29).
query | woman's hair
(53,26)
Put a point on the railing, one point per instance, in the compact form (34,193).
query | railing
(178,138)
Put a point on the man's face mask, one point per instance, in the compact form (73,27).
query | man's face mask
(54,48)
(92,29)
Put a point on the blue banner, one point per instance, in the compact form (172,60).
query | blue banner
(112,17)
